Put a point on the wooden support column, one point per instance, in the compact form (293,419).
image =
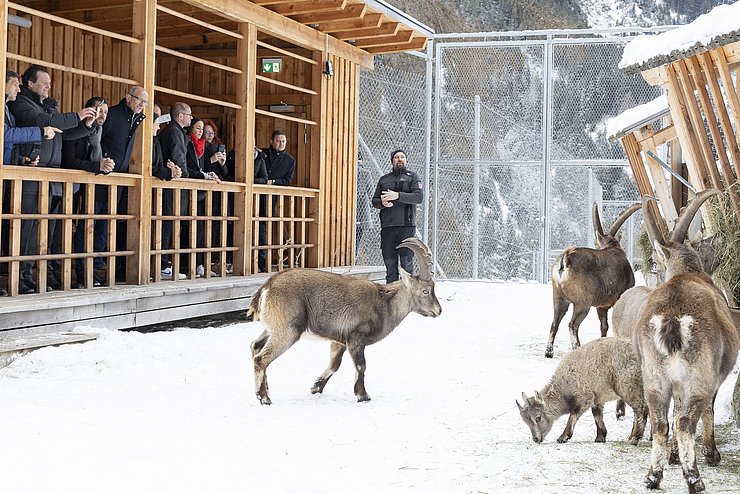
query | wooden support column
(686,133)
(246,83)
(318,156)
(660,183)
(139,232)
(4,60)
(632,149)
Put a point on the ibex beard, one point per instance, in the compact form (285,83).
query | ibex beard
(349,312)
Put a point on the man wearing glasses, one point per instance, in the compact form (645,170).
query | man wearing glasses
(117,144)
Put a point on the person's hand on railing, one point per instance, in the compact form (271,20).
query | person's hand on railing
(213,176)
(29,162)
(174,169)
(107,165)
(50,132)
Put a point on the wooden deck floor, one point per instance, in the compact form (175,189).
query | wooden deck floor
(130,307)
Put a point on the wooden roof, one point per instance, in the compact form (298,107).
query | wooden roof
(371,25)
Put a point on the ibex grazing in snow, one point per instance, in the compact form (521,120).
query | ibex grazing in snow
(687,344)
(350,312)
(600,371)
(629,306)
(589,278)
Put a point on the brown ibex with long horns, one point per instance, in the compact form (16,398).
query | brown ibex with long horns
(589,278)
(629,306)
(350,312)
(687,345)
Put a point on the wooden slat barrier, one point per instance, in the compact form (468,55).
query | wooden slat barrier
(285,215)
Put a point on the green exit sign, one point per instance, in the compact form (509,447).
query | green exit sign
(271,65)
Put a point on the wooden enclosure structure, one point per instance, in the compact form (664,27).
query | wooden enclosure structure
(699,120)
(251,67)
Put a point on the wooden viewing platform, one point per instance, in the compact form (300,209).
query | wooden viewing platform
(55,318)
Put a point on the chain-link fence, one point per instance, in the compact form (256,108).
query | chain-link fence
(518,151)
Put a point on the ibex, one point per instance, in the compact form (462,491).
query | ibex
(600,371)
(627,309)
(589,278)
(687,345)
(350,312)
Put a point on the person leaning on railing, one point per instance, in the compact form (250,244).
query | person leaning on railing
(86,154)
(195,158)
(117,142)
(34,107)
(16,135)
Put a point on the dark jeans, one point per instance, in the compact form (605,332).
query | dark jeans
(390,238)
(168,209)
(100,236)
(29,233)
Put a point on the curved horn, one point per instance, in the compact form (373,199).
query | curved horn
(423,256)
(597,221)
(687,215)
(622,218)
(655,234)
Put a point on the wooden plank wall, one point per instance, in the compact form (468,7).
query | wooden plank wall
(66,45)
(338,200)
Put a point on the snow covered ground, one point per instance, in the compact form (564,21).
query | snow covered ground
(175,412)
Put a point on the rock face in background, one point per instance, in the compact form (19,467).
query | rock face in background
(450,16)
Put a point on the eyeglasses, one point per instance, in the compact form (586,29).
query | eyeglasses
(210,133)
(143,101)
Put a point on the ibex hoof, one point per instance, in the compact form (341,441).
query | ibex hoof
(548,353)
(363,398)
(318,387)
(652,481)
(695,484)
(600,439)
(264,400)
(712,456)
(633,440)
(563,439)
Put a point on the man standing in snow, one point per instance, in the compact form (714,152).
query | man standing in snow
(397,195)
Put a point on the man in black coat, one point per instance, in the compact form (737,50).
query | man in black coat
(397,196)
(174,148)
(34,108)
(280,170)
(87,154)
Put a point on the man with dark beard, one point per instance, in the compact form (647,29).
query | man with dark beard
(397,195)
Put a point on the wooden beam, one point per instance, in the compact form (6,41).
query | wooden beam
(72,6)
(368,21)
(401,38)
(387,29)
(197,21)
(311,7)
(287,53)
(350,12)
(284,28)
(661,184)
(730,93)
(414,44)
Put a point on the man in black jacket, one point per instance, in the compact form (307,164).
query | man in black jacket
(397,195)
(34,108)
(87,154)
(280,170)
(174,148)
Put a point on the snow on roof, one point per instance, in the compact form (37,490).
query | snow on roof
(636,117)
(716,28)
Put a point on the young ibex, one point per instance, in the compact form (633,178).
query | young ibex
(687,345)
(589,278)
(600,371)
(627,309)
(350,312)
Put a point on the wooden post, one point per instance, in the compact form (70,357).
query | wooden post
(3,58)
(139,198)
(246,83)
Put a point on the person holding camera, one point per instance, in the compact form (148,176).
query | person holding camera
(397,195)
(34,108)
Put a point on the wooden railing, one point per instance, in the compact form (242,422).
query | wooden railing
(289,225)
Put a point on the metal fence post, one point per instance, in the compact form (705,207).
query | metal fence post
(476,184)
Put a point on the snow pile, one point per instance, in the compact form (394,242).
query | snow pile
(629,119)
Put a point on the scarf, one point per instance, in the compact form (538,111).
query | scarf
(198,144)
